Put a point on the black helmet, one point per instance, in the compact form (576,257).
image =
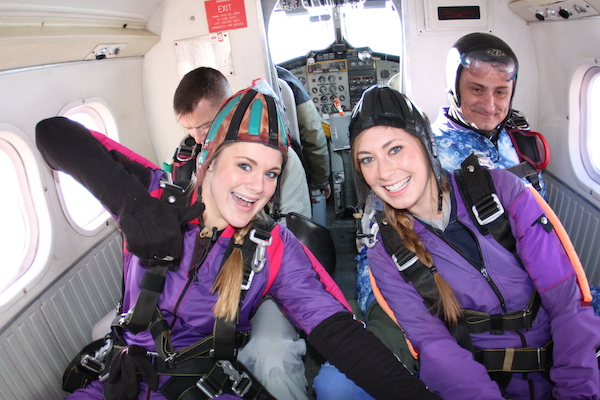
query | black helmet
(477,52)
(382,105)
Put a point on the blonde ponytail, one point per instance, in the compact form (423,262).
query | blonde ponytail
(447,306)
(229,279)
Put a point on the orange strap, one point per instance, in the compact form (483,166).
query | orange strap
(385,306)
(584,286)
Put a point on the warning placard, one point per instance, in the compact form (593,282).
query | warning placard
(225,15)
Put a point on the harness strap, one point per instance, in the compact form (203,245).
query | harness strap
(221,377)
(479,194)
(480,322)
(413,270)
(224,347)
(139,317)
(523,170)
(519,360)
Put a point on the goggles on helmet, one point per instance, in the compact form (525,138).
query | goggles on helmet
(480,62)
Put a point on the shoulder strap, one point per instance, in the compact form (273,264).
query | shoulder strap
(414,271)
(479,195)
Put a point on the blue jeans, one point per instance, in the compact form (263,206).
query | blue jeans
(331,384)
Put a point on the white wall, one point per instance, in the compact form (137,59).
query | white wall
(561,47)
(28,96)
(187,19)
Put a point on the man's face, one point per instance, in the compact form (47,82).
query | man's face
(198,121)
(485,98)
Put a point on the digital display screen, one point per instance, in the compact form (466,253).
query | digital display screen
(461,12)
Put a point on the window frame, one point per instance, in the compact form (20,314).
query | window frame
(585,175)
(103,116)
(591,77)
(40,235)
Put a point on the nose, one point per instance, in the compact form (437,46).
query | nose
(487,102)
(385,168)
(199,134)
(256,183)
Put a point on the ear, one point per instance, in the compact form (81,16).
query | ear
(211,166)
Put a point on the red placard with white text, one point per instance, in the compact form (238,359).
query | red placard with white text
(225,15)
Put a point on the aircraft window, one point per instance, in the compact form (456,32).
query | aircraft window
(84,211)
(15,236)
(295,32)
(25,231)
(590,133)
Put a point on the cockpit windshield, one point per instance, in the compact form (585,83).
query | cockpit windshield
(295,30)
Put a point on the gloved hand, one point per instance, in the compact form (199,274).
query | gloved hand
(127,369)
(155,231)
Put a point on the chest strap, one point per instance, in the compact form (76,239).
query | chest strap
(496,324)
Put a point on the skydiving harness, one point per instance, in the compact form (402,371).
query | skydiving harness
(479,195)
(531,147)
(203,370)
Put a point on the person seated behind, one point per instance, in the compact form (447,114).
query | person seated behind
(527,326)
(481,72)
(197,99)
(314,142)
(203,315)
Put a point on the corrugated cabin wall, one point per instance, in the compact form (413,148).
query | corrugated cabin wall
(581,220)
(38,345)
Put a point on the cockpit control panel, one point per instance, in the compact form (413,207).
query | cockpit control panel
(343,75)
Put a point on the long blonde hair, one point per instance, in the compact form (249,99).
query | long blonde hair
(229,279)
(447,307)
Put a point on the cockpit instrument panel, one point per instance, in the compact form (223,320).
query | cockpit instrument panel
(331,74)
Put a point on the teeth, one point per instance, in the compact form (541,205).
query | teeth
(250,202)
(398,186)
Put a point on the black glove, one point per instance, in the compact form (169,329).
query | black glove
(155,231)
(127,369)
(152,229)
(360,355)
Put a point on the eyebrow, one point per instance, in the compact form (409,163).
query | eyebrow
(253,162)
(385,145)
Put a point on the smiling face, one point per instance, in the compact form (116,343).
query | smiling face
(239,182)
(485,99)
(394,164)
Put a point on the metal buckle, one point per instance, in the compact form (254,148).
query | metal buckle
(247,285)
(201,384)
(259,259)
(241,382)
(371,239)
(405,265)
(494,216)
(95,363)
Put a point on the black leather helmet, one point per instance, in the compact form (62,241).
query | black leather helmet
(382,105)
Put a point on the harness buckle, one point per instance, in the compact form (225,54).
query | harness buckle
(249,282)
(494,216)
(259,259)
(96,363)
(209,390)
(241,382)
(403,264)
(371,237)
